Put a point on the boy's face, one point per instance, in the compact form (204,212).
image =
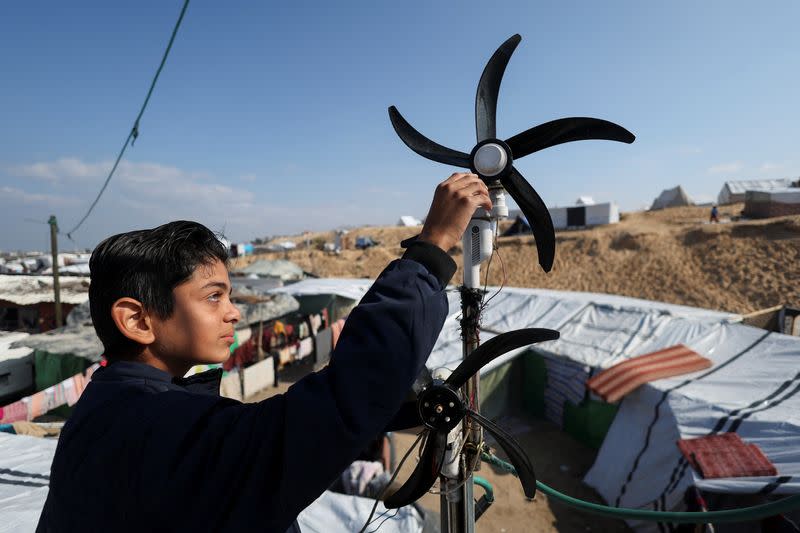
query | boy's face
(200,330)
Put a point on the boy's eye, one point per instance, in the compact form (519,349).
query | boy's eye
(215,297)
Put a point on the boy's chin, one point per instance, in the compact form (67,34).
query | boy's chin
(212,359)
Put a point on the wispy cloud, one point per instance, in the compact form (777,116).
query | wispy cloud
(726,168)
(767,167)
(61,170)
(18,196)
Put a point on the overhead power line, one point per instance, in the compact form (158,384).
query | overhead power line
(134,133)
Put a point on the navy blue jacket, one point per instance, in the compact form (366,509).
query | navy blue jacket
(144,451)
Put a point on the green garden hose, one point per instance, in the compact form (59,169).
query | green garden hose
(744,514)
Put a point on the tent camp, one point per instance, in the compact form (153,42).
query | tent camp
(751,387)
(675,197)
(765,203)
(734,191)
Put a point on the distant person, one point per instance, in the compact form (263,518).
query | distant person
(714,214)
(149,450)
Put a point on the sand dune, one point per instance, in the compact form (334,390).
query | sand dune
(672,255)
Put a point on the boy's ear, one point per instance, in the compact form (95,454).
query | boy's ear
(133,321)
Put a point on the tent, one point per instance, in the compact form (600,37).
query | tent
(765,203)
(734,191)
(273,268)
(408,221)
(675,197)
(519,227)
(584,213)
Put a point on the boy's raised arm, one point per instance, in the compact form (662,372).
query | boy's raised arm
(275,457)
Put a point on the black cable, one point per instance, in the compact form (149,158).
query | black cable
(384,520)
(397,471)
(134,133)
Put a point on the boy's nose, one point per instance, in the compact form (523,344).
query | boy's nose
(233,314)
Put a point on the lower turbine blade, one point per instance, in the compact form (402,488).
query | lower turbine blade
(537,214)
(514,451)
(566,130)
(424,146)
(495,347)
(424,475)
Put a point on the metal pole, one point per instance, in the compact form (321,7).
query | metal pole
(54,250)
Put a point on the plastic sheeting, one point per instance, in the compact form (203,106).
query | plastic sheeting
(340,512)
(25,475)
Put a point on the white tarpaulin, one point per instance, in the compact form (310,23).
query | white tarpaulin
(25,476)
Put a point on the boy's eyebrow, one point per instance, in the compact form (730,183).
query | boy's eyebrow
(220,284)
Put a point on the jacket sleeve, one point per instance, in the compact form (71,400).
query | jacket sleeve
(275,457)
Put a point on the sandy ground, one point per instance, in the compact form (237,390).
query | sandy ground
(672,255)
(558,459)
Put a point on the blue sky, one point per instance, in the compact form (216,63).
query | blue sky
(270,118)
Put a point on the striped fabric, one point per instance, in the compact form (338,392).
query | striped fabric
(565,383)
(617,381)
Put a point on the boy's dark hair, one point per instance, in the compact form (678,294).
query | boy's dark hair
(146,265)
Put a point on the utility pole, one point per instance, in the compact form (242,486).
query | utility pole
(54,250)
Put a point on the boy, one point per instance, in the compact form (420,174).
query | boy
(147,450)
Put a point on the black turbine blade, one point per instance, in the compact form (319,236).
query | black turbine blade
(424,474)
(566,130)
(514,451)
(424,146)
(537,214)
(495,347)
(489,88)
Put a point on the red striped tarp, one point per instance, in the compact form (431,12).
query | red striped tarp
(615,382)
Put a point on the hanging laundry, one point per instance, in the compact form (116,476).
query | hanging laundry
(302,330)
(336,330)
(323,343)
(316,323)
(284,356)
(306,348)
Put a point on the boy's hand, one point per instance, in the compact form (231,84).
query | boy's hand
(454,203)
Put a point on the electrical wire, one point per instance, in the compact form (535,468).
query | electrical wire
(384,520)
(134,133)
(380,496)
(495,250)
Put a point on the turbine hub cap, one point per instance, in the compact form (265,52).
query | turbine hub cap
(440,407)
(490,159)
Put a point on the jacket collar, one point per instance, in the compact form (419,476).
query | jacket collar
(204,383)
